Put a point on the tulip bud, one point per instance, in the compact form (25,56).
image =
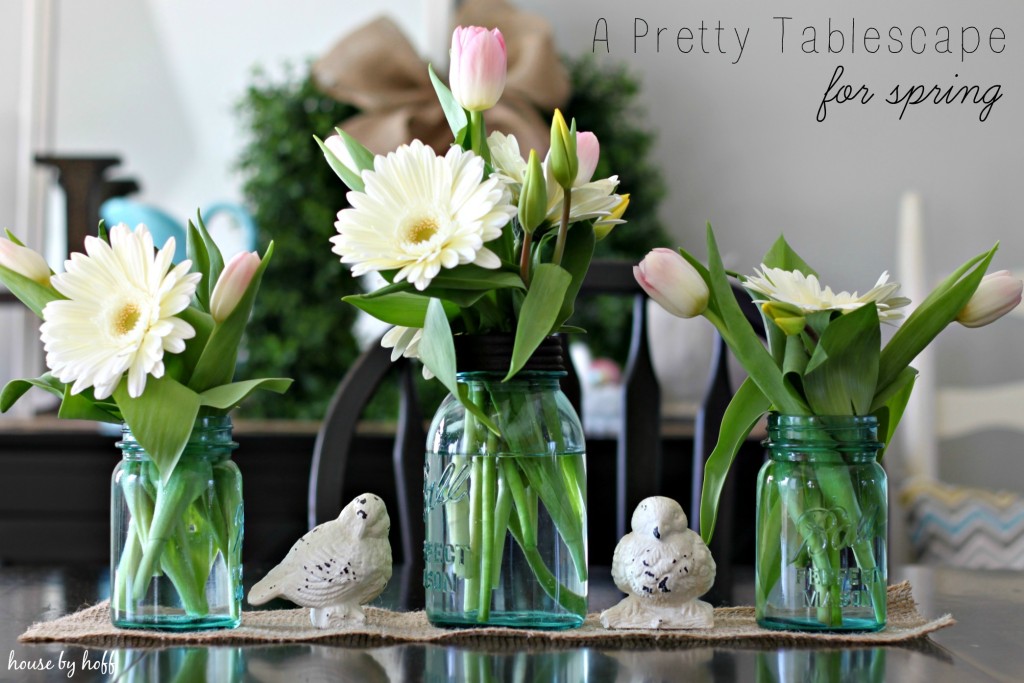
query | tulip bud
(603,226)
(533,199)
(23,261)
(673,283)
(340,151)
(478,67)
(588,151)
(232,284)
(562,156)
(997,294)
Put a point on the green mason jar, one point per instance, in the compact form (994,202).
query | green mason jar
(176,546)
(822,511)
(505,503)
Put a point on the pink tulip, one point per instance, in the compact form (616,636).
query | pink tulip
(588,151)
(672,282)
(23,261)
(478,67)
(997,294)
(232,284)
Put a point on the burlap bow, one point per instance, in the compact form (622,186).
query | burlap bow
(376,69)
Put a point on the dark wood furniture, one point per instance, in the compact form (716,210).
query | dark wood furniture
(86,186)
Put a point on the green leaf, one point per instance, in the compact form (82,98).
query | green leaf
(777,339)
(101,231)
(161,419)
(351,179)
(937,310)
(16,388)
(398,308)
(883,397)
(538,317)
(463,298)
(744,410)
(795,361)
(768,565)
(579,249)
(227,396)
(437,352)
(467,401)
(841,376)
(437,348)
(453,111)
(195,250)
(206,258)
(890,412)
(83,406)
(29,292)
(744,342)
(782,256)
(202,323)
(470,276)
(212,252)
(361,157)
(216,365)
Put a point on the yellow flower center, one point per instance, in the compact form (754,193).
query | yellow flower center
(421,230)
(126,318)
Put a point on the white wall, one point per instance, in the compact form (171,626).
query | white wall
(10,47)
(740,147)
(157,81)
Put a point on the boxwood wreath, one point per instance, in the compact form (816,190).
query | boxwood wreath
(300,326)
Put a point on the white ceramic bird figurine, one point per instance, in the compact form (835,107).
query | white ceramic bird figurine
(335,567)
(663,567)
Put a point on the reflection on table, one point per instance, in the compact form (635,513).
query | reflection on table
(983,646)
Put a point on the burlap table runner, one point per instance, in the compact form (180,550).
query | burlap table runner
(733,625)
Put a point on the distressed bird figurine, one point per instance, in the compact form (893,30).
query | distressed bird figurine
(663,567)
(336,567)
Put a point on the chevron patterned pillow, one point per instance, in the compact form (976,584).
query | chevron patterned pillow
(964,527)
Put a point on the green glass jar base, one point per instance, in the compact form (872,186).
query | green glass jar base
(848,625)
(542,621)
(175,622)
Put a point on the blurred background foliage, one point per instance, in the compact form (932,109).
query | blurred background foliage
(300,328)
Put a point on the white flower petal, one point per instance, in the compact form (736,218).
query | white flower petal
(806,294)
(420,213)
(119,313)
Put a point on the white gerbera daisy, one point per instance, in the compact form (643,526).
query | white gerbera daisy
(506,158)
(420,213)
(405,341)
(805,294)
(119,313)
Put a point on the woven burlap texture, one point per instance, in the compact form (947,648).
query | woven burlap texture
(733,625)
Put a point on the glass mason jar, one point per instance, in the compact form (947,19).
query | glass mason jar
(176,547)
(506,508)
(822,514)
